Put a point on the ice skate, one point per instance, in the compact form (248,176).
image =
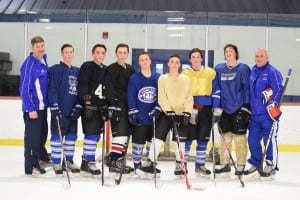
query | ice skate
(269,172)
(223,172)
(178,172)
(89,168)
(202,171)
(146,171)
(251,174)
(71,166)
(57,168)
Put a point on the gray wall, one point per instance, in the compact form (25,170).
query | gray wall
(282,43)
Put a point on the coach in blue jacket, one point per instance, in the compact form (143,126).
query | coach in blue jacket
(33,91)
(265,93)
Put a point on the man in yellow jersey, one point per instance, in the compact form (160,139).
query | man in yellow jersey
(206,94)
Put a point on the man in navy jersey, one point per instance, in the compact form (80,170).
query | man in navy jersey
(143,106)
(64,104)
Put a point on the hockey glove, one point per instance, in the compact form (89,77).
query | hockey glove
(76,112)
(103,112)
(134,117)
(114,113)
(170,116)
(155,112)
(217,113)
(273,111)
(267,95)
(55,112)
(185,118)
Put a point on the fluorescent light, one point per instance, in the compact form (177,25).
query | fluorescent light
(171,28)
(297,39)
(176,19)
(176,35)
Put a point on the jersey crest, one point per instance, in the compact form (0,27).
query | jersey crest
(147,95)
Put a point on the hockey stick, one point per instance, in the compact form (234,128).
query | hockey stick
(274,125)
(213,149)
(230,156)
(156,184)
(66,186)
(187,182)
(118,180)
(103,148)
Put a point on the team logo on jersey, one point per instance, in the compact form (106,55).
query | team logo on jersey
(227,77)
(72,85)
(147,95)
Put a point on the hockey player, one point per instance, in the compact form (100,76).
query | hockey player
(265,93)
(206,94)
(91,94)
(176,101)
(142,103)
(233,78)
(64,104)
(116,82)
(33,92)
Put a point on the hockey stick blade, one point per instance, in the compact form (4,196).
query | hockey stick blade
(198,187)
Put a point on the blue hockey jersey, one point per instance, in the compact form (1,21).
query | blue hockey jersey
(62,89)
(262,78)
(234,85)
(34,84)
(142,94)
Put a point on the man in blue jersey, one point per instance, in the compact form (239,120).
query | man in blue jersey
(91,94)
(206,95)
(142,104)
(233,80)
(33,91)
(64,104)
(265,93)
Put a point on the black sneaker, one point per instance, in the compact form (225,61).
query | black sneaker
(224,169)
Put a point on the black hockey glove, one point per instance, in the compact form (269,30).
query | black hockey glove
(76,112)
(103,112)
(185,118)
(217,113)
(55,112)
(155,112)
(170,116)
(134,117)
(243,114)
(114,113)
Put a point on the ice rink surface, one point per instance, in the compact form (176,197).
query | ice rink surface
(14,185)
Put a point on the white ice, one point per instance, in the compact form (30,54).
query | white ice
(15,185)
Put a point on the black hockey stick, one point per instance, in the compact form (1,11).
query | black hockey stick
(119,179)
(230,156)
(103,147)
(183,167)
(63,152)
(213,149)
(154,150)
(274,125)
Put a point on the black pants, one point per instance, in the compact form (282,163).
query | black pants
(35,137)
